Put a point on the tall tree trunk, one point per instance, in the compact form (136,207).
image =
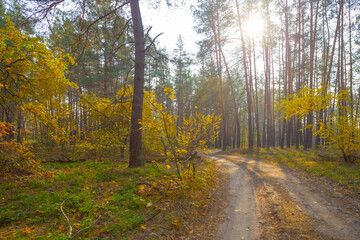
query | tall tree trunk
(265,114)
(136,159)
(273,141)
(106,75)
(247,81)
(351,67)
(313,25)
(180,97)
(288,72)
(298,82)
(256,109)
(215,27)
(334,43)
(237,122)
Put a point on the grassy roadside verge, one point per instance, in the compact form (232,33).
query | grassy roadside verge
(105,200)
(319,162)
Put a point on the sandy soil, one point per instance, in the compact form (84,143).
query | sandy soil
(275,202)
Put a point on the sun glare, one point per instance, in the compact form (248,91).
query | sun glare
(254,25)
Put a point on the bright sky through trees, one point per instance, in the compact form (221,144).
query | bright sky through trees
(254,25)
(171,22)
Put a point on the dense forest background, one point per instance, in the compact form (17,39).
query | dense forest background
(67,80)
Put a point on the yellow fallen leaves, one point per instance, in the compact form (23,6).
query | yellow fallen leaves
(175,222)
(27,230)
(143,227)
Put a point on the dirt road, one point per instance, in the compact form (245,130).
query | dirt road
(273,202)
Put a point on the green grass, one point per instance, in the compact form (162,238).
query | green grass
(329,164)
(103,192)
(101,199)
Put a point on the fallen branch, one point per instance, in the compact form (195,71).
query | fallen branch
(61,160)
(85,228)
(153,215)
(67,219)
(70,227)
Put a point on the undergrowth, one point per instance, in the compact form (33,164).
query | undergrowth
(103,200)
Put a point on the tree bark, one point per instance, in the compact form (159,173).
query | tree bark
(237,122)
(136,159)
(247,82)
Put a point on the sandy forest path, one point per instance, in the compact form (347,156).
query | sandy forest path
(275,202)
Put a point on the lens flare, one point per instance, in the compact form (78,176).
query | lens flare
(254,25)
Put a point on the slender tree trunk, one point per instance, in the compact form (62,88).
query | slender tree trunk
(287,83)
(106,75)
(180,98)
(225,123)
(273,128)
(298,83)
(351,67)
(217,38)
(280,77)
(237,122)
(334,43)
(20,126)
(313,25)
(256,109)
(247,82)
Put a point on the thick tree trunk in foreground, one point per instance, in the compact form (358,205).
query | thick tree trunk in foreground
(138,97)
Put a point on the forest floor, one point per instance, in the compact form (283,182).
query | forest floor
(264,194)
(270,200)
(107,200)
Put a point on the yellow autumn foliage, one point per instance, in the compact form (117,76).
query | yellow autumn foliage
(342,129)
(198,132)
(32,81)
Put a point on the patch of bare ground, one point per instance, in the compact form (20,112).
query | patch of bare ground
(291,204)
(335,192)
(280,218)
(181,219)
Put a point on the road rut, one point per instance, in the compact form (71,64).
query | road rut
(273,202)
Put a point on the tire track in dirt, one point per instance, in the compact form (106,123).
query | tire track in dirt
(270,202)
(241,211)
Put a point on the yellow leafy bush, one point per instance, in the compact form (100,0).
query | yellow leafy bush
(341,130)
(14,157)
(198,132)
(33,88)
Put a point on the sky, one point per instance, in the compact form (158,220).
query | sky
(171,22)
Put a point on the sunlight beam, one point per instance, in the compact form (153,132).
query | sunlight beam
(254,25)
